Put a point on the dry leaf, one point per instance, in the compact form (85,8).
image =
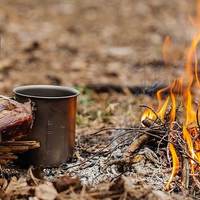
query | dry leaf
(65,182)
(18,187)
(46,191)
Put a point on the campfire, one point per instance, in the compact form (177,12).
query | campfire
(177,113)
(119,149)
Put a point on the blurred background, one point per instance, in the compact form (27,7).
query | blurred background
(82,42)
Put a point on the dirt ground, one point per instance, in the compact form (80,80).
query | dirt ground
(82,42)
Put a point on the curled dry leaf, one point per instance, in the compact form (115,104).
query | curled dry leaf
(133,188)
(32,177)
(46,191)
(18,187)
(65,182)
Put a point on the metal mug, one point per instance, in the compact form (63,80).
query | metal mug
(54,123)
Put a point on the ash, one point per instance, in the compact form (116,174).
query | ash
(100,158)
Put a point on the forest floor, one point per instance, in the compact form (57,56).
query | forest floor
(81,43)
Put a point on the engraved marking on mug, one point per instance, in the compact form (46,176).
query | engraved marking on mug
(50,132)
(50,127)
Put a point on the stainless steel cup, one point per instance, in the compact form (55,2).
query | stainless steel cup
(54,111)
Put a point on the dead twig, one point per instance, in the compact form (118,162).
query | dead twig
(185,173)
(137,143)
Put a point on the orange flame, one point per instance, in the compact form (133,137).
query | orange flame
(190,59)
(162,106)
(190,124)
(187,137)
(166,49)
(161,112)
(175,167)
(195,21)
(190,117)
(173,106)
(159,94)
(170,53)
(196,69)
(182,86)
(148,114)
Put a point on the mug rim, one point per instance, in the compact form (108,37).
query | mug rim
(19,91)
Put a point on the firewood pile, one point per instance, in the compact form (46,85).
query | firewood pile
(15,122)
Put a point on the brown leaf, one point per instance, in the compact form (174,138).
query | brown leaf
(46,191)
(65,182)
(118,185)
(18,187)
(135,188)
